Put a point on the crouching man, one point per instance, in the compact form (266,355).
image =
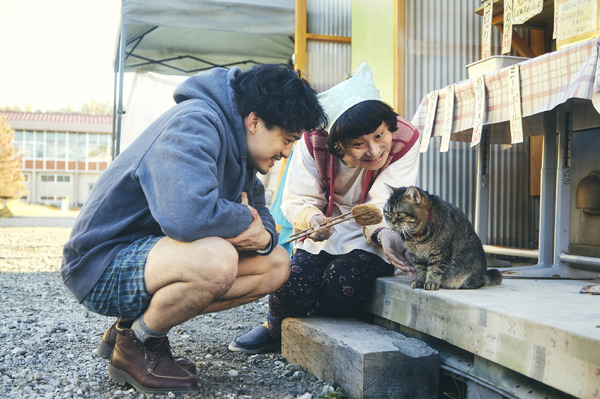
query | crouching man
(177,225)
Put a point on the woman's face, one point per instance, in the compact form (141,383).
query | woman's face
(369,151)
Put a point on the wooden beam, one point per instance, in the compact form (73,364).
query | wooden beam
(300,36)
(328,38)
(518,43)
(399,56)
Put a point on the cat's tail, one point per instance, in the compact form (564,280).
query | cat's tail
(493,277)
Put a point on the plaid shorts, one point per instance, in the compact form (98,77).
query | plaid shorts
(121,291)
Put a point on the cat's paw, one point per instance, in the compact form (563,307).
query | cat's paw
(431,286)
(417,284)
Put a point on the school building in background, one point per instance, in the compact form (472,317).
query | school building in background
(63,154)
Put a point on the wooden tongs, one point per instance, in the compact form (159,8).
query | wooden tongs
(364,214)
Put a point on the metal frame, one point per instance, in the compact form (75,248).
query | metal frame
(555,205)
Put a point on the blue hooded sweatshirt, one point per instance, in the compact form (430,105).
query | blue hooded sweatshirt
(182,178)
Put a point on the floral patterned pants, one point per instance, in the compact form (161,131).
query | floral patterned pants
(324,284)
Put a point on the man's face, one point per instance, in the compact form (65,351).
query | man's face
(265,147)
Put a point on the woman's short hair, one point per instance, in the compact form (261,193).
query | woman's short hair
(358,120)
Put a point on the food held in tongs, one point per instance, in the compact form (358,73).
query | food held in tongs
(363,214)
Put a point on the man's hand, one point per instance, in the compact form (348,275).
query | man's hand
(255,237)
(320,233)
(396,252)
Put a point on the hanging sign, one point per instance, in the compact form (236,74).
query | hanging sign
(508,23)
(577,21)
(516,119)
(479,110)
(486,35)
(524,10)
(432,100)
(448,118)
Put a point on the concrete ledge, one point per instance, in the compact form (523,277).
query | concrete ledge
(364,359)
(545,330)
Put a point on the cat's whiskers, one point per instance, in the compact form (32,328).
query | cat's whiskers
(405,233)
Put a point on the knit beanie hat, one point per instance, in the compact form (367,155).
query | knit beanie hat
(341,97)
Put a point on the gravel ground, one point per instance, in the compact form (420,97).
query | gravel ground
(47,340)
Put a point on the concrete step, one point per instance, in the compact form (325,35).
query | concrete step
(545,330)
(365,360)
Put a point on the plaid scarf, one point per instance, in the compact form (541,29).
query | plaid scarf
(402,140)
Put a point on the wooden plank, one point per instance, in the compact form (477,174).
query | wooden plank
(300,36)
(364,359)
(535,164)
(328,38)
(399,57)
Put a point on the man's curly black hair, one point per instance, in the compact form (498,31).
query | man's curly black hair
(279,96)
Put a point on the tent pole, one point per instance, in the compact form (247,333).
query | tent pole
(120,112)
(114,116)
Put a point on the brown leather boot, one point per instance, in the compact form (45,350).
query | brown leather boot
(148,367)
(106,345)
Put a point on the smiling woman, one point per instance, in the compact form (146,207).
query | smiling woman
(330,173)
(64,51)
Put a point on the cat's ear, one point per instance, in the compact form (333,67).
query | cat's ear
(413,194)
(390,188)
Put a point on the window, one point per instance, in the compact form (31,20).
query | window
(72,147)
(81,147)
(47,178)
(61,145)
(50,145)
(39,147)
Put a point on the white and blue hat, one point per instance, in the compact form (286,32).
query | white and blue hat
(343,96)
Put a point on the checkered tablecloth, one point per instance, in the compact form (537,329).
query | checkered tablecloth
(546,81)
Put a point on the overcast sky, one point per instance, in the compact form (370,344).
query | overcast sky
(57,53)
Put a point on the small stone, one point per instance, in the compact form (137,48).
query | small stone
(233,373)
(18,351)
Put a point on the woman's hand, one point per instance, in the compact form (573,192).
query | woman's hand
(320,233)
(395,251)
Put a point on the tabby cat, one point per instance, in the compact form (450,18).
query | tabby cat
(442,243)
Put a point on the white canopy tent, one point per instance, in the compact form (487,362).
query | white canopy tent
(183,37)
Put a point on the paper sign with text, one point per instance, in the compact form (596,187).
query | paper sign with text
(516,119)
(432,99)
(479,110)
(524,10)
(577,21)
(508,30)
(486,33)
(448,118)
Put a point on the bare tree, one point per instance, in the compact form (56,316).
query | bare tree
(12,180)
